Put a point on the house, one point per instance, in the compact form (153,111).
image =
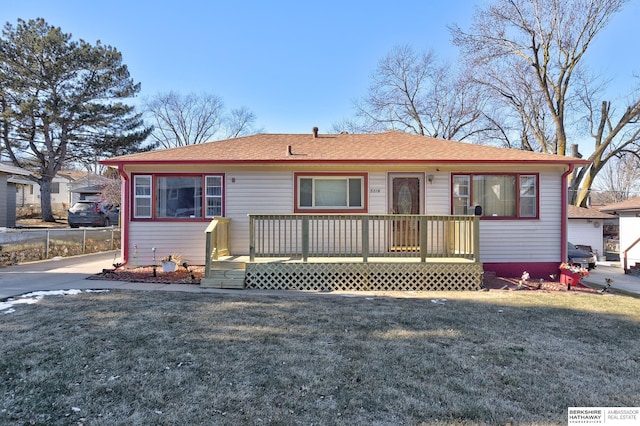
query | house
(628,212)
(87,187)
(376,210)
(62,197)
(585,228)
(8,176)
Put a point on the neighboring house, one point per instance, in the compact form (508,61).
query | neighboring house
(8,176)
(381,198)
(586,228)
(87,187)
(28,192)
(628,212)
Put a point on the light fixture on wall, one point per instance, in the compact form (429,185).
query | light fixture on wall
(430,178)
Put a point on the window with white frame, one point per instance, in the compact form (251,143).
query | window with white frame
(213,196)
(178,196)
(142,196)
(499,195)
(528,196)
(331,192)
(461,194)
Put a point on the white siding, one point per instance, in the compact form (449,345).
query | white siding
(527,240)
(629,233)
(438,194)
(256,193)
(184,238)
(378,201)
(586,232)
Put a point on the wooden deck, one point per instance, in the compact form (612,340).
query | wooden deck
(342,274)
(354,252)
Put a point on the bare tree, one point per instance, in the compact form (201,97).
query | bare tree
(239,122)
(181,120)
(619,179)
(529,55)
(412,92)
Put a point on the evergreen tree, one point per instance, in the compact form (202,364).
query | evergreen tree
(62,100)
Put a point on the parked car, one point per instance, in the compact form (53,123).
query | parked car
(581,257)
(93,213)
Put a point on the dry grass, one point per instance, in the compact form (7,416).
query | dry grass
(174,358)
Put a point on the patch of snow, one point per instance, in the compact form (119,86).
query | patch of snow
(6,307)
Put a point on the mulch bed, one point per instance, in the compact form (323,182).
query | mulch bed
(193,275)
(145,274)
(492,282)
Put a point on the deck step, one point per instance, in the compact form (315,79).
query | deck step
(225,275)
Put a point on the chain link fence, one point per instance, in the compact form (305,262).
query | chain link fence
(25,245)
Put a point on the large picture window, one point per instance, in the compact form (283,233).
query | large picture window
(331,193)
(499,195)
(178,196)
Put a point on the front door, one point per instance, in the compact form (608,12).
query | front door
(405,200)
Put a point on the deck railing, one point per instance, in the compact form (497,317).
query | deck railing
(217,240)
(365,236)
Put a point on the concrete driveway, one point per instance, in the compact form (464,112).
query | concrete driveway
(613,270)
(55,274)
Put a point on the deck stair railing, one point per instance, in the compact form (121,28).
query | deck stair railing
(217,240)
(363,236)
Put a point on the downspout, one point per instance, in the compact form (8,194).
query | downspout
(564,209)
(124,219)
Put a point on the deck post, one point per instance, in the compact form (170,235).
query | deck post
(365,239)
(423,239)
(252,239)
(207,259)
(305,238)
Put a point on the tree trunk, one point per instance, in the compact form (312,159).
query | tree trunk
(45,200)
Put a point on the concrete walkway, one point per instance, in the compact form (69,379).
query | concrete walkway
(71,273)
(614,271)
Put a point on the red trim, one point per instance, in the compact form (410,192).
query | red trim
(536,270)
(563,215)
(155,176)
(124,225)
(517,194)
(340,161)
(346,175)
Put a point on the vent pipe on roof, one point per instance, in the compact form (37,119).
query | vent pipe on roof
(289,152)
(315,132)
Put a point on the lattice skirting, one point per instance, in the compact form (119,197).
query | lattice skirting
(364,276)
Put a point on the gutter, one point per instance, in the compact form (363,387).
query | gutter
(124,212)
(564,213)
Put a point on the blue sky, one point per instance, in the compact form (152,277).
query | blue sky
(295,64)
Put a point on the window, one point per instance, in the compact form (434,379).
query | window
(332,193)
(499,195)
(55,187)
(142,197)
(177,196)
(461,194)
(528,196)
(213,196)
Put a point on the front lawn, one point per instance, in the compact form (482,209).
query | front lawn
(243,358)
